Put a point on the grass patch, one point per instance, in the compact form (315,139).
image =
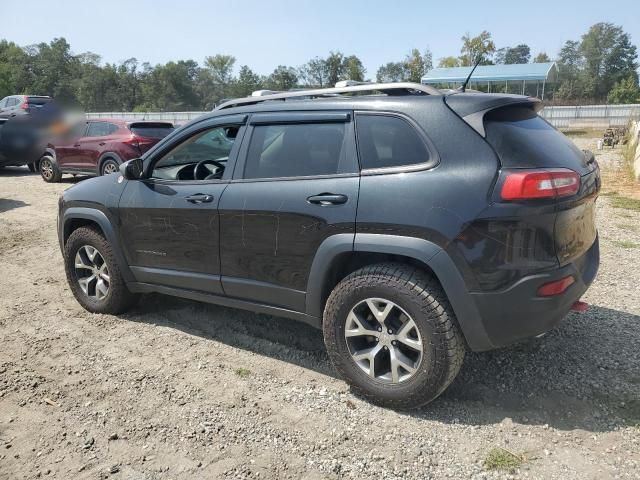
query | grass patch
(609,194)
(626,244)
(629,228)
(243,372)
(502,459)
(625,202)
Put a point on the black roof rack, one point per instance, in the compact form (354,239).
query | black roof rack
(399,88)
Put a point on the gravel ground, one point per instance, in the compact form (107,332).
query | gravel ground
(177,389)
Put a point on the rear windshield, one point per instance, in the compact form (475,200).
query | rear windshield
(38,101)
(151,130)
(522,139)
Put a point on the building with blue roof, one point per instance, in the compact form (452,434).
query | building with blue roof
(513,78)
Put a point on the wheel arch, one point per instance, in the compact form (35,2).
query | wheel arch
(108,156)
(342,254)
(77,217)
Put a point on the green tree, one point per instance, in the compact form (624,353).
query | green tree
(353,68)
(314,73)
(542,57)
(518,54)
(449,62)
(282,78)
(625,91)
(609,56)
(474,49)
(417,64)
(391,72)
(247,82)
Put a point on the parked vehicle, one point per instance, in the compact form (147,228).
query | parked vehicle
(408,226)
(14,105)
(99,147)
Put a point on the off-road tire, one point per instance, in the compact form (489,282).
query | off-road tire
(119,298)
(421,296)
(49,170)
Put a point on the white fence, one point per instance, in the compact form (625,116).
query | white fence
(599,116)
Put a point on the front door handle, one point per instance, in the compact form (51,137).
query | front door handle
(325,199)
(200,198)
(102,143)
(76,144)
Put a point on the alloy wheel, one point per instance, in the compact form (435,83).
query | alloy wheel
(383,340)
(109,168)
(46,168)
(92,272)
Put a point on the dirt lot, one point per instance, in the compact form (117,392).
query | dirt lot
(178,390)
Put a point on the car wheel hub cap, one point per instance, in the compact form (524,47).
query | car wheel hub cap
(92,272)
(110,168)
(383,340)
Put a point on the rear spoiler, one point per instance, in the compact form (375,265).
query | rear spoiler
(472,107)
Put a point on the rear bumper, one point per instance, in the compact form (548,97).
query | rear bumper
(517,312)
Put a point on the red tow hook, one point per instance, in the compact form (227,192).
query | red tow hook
(580,307)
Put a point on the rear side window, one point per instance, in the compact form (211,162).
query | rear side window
(385,141)
(151,130)
(296,150)
(101,129)
(38,101)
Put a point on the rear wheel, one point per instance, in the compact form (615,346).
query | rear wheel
(109,166)
(93,273)
(49,170)
(391,333)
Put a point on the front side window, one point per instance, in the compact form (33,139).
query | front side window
(295,150)
(203,156)
(386,141)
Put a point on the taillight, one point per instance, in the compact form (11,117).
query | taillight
(25,104)
(531,184)
(556,287)
(132,140)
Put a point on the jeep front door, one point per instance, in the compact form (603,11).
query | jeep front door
(169,220)
(295,185)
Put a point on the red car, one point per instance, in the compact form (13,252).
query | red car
(98,147)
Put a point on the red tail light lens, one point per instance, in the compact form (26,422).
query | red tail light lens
(25,103)
(556,287)
(531,184)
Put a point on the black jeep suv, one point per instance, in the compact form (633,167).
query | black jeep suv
(407,223)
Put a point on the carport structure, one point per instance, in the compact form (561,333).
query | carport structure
(514,78)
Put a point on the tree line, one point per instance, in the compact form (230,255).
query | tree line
(599,67)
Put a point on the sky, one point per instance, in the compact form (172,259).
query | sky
(265,34)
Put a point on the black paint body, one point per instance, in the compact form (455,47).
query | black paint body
(260,244)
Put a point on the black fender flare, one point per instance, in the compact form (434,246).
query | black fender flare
(101,219)
(51,152)
(107,155)
(424,251)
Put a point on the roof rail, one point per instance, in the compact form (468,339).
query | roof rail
(399,88)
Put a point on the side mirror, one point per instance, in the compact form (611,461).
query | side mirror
(132,170)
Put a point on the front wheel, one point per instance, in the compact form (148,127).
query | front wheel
(93,273)
(49,170)
(391,333)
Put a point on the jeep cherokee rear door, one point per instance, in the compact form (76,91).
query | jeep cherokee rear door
(295,184)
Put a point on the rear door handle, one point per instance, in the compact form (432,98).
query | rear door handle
(327,199)
(102,143)
(76,144)
(200,198)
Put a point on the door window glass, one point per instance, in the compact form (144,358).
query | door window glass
(385,141)
(295,150)
(202,156)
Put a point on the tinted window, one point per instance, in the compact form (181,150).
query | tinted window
(151,130)
(101,129)
(295,150)
(385,141)
(38,101)
(12,102)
